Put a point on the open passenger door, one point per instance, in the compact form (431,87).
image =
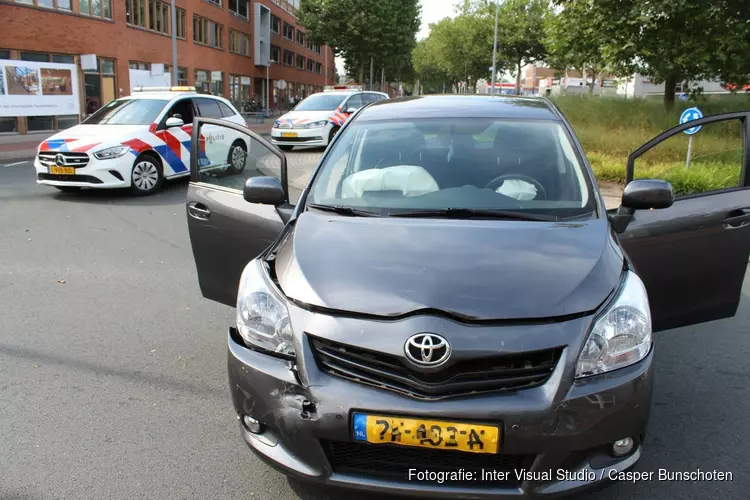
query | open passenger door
(237,203)
(693,255)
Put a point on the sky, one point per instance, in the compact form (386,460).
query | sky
(432,11)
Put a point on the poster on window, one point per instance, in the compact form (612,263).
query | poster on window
(38,89)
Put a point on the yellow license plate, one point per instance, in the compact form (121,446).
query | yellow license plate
(436,434)
(62,170)
(289,134)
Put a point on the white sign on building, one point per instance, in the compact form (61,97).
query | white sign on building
(38,89)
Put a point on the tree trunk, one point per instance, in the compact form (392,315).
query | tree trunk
(669,84)
(518,78)
(361,72)
(593,82)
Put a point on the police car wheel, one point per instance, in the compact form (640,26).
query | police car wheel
(334,131)
(285,148)
(237,157)
(146,176)
(69,189)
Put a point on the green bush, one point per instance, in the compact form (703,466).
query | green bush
(611,128)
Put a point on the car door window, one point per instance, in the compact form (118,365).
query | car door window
(369,97)
(208,108)
(226,111)
(354,102)
(182,109)
(693,256)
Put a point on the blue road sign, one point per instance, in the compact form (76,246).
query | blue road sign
(689,115)
(683,96)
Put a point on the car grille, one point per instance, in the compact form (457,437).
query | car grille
(298,139)
(69,178)
(393,462)
(284,125)
(76,160)
(471,376)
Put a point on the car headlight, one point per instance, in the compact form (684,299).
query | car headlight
(262,315)
(321,123)
(621,335)
(109,153)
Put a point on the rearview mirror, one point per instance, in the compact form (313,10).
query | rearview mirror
(174,122)
(264,190)
(646,194)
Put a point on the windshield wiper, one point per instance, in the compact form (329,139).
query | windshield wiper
(468,213)
(342,210)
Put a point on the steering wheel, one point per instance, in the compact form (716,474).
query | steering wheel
(494,184)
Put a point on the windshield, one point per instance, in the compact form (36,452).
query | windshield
(394,167)
(128,112)
(321,102)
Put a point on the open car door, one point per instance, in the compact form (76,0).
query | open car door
(693,256)
(226,231)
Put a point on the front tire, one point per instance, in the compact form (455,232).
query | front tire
(285,148)
(146,176)
(332,134)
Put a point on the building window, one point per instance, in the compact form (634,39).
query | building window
(239,43)
(180,23)
(63,58)
(301,37)
(288,58)
(217,83)
(182,76)
(158,20)
(215,2)
(275,54)
(275,24)
(40,123)
(139,65)
(317,49)
(300,62)
(239,7)
(49,4)
(288,31)
(97,8)
(318,68)
(310,65)
(207,32)
(4,54)
(34,56)
(107,67)
(239,91)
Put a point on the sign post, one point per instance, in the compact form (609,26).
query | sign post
(688,115)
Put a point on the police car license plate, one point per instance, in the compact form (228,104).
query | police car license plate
(436,434)
(289,134)
(62,170)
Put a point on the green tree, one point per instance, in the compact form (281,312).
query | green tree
(432,78)
(521,33)
(573,42)
(363,31)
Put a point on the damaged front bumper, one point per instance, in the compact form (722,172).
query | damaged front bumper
(550,445)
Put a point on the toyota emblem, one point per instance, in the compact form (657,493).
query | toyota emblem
(427,349)
(59,160)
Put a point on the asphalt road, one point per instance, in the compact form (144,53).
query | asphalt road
(113,368)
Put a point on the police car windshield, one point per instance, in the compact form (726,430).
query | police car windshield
(456,167)
(128,112)
(321,102)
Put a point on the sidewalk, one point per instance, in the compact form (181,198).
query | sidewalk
(17,147)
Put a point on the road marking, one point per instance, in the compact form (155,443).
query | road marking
(16,163)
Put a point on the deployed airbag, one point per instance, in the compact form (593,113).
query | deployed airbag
(411,180)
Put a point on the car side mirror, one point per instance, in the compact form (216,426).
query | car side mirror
(174,122)
(264,191)
(641,194)
(647,194)
(351,110)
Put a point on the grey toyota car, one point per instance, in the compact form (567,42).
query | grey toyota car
(446,309)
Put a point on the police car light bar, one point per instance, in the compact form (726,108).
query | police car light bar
(329,88)
(164,89)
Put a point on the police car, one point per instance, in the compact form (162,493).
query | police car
(138,141)
(316,119)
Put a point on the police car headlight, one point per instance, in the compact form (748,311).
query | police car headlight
(321,123)
(621,335)
(262,315)
(109,153)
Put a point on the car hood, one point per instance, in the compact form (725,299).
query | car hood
(300,117)
(82,138)
(472,270)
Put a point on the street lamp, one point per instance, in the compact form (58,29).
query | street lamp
(494,48)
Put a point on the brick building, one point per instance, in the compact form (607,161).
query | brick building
(220,46)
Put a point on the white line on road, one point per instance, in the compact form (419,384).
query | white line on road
(16,163)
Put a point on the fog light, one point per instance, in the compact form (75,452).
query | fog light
(622,447)
(251,424)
